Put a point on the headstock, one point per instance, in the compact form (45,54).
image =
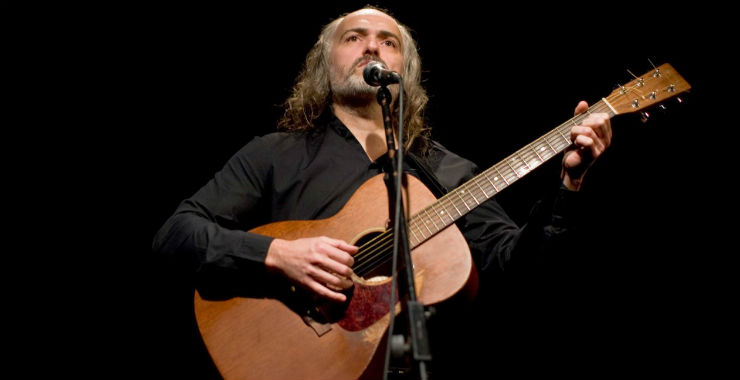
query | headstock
(648,90)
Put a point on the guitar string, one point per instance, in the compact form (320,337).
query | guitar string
(484,183)
(377,248)
(372,252)
(372,248)
(506,172)
(514,165)
(365,263)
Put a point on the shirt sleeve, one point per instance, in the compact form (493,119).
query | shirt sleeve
(209,229)
(496,241)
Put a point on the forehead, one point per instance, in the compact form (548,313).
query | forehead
(369,19)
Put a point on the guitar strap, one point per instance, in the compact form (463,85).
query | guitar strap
(426,175)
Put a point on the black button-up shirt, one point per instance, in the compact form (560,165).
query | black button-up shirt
(311,175)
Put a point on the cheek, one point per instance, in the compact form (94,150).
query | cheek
(341,60)
(394,61)
(398,67)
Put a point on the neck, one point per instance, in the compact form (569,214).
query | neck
(368,118)
(366,124)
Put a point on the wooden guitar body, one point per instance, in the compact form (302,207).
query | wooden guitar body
(278,339)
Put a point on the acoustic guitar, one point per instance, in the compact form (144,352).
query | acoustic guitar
(297,336)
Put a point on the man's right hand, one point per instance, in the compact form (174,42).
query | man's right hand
(321,264)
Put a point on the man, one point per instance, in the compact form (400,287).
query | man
(334,141)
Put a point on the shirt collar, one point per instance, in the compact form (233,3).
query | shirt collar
(339,127)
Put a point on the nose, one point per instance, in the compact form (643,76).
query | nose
(371,47)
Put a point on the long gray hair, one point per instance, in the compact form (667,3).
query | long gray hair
(311,93)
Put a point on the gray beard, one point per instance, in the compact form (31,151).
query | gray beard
(352,89)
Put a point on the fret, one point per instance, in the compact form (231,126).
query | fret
(567,140)
(525,162)
(502,177)
(430,219)
(413,236)
(538,155)
(512,169)
(420,227)
(459,214)
(481,189)
(445,211)
(472,196)
(439,215)
(558,142)
(419,221)
(426,225)
(532,161)
(463,200)
(520,170)
(419,230)
(485,174)
(548,144)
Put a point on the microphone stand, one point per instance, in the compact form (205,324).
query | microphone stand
(418,341)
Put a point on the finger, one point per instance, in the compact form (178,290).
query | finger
(592,147)
(336,267)
(326,292)
(340,251)
(349,248)
(581,107)
(340,256)
(599,122)
(580,130)
(583,142)
(601,132)
(604,138)
(322,258)
(331,280)
(606,129)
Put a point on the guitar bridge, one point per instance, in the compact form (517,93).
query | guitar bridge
(319,328)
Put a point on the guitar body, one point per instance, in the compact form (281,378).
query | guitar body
(283,339)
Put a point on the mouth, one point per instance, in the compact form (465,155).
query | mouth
(365,60)
(363,63)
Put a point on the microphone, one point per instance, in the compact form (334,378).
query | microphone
(376,74)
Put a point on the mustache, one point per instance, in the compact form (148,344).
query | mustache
(364,59)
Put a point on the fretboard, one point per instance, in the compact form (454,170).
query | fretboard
(458,202)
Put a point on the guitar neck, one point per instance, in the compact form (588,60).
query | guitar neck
(458,202)
(650,89)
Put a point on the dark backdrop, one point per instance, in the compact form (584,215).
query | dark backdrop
(181,88)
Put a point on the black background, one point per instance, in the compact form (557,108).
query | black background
(172,91)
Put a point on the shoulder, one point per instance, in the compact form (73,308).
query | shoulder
(275,143)
(440,156)
(451,168)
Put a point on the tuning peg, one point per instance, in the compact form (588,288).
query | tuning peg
(662,107)
(679,100)
(644,116)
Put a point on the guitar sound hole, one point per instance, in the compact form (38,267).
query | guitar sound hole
(373,261)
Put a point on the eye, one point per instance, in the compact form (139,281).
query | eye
(389,43)
(353,38)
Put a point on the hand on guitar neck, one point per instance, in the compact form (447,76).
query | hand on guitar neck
(320,264)
(590,140)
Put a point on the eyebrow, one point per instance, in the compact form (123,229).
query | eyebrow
(364,31)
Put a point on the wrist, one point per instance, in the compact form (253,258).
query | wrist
(573,184)
(273,253)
